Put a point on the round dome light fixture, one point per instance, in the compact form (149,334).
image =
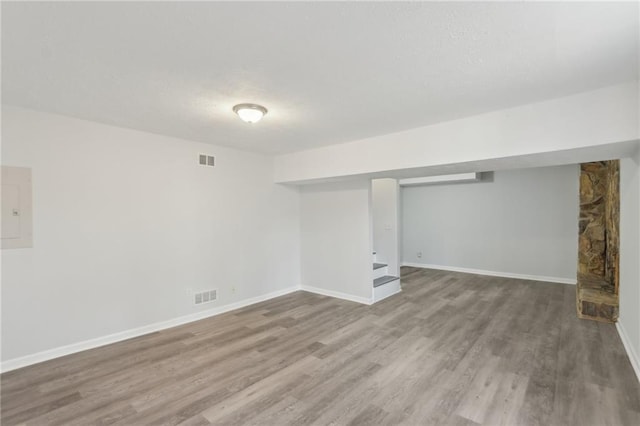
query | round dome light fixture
(250,113)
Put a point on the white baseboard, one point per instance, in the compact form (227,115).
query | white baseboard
(631,353)
(24,361)
(336,294)
(493,273)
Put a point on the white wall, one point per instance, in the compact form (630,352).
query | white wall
(573,129)
(126,224)
(336,239)
(523,222)
(629,321)
(385,198)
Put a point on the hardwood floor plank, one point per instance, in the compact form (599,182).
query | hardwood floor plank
(36,410)
(451,349)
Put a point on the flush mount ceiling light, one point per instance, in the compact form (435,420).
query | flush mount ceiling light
(250,113)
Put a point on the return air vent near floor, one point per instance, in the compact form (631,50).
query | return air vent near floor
(206,160)
(205,297)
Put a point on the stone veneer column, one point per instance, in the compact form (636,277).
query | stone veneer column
(597,289)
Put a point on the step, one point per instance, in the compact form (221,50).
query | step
(384,287)
(379,270)
(384,280)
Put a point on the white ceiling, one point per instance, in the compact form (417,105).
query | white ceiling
(327,72)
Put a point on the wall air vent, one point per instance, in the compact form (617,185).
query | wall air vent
(206,160)
(205,297)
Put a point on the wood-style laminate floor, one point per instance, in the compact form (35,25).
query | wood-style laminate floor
(452,348)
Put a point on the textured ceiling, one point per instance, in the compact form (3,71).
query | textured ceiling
(328,72)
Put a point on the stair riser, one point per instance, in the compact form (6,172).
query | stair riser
(386,290)
(380,272)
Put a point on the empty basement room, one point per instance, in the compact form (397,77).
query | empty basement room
(345,213)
